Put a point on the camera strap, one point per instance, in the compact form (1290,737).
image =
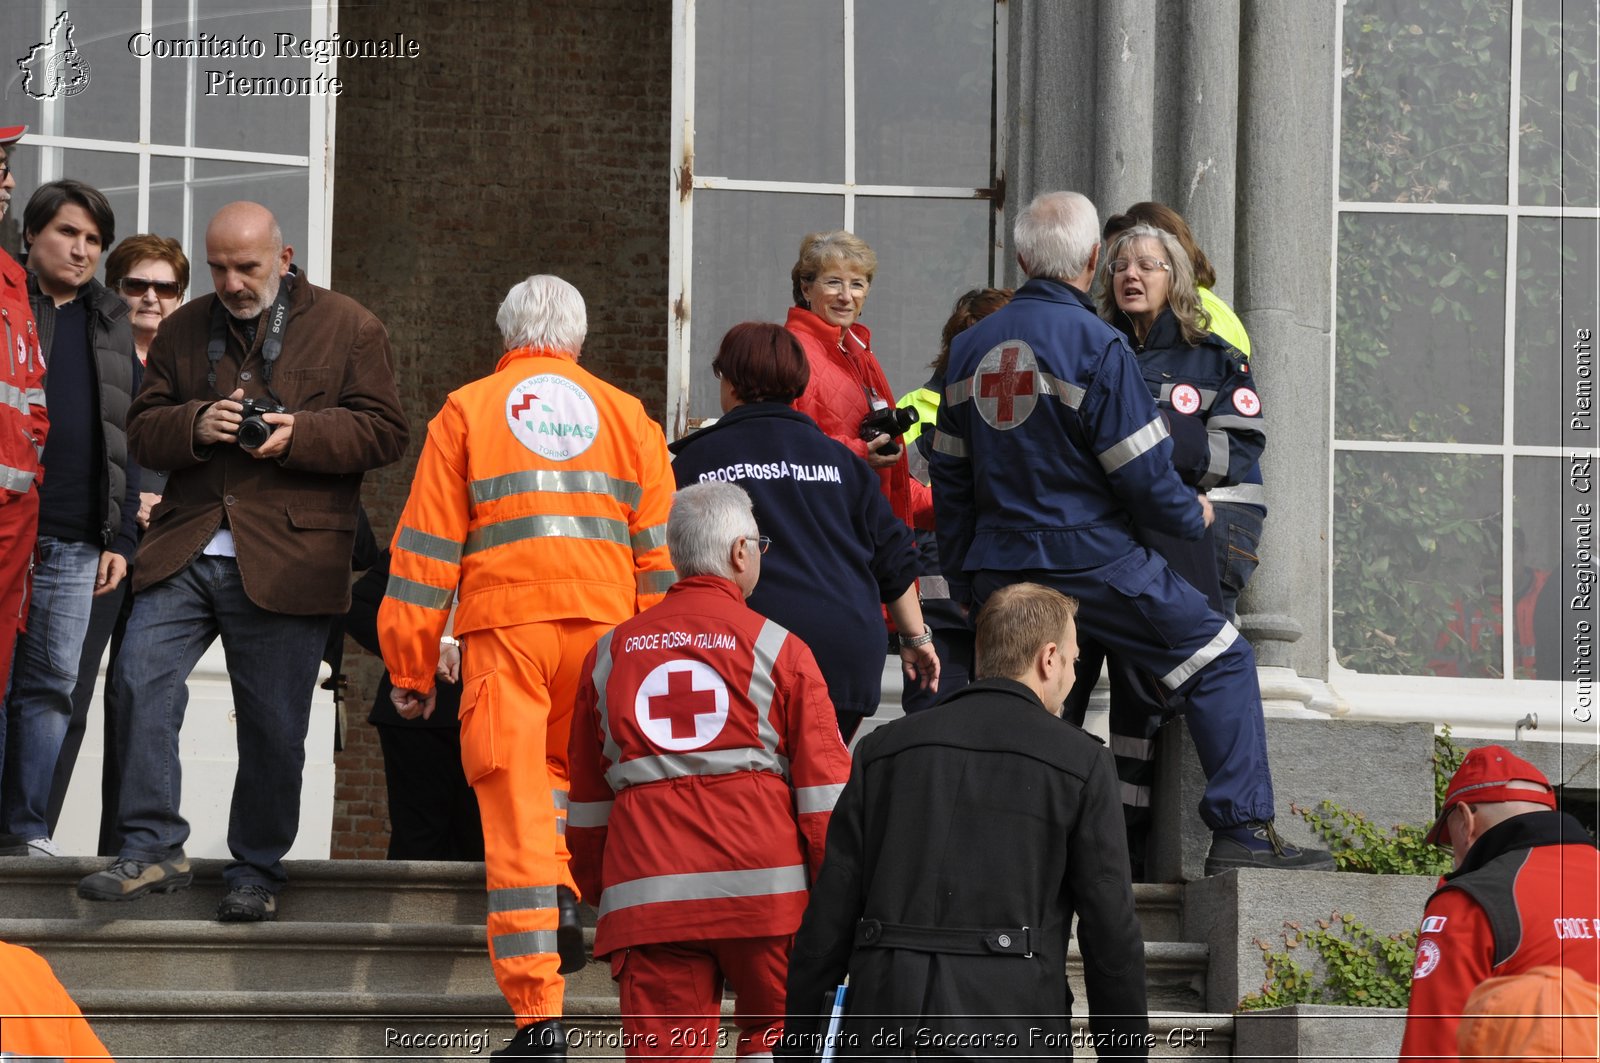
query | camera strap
(275,318)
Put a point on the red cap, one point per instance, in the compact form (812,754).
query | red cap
(10,134)
(1484,778)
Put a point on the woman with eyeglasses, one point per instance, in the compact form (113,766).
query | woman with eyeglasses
(1201,383)
(151,273)
(837,552)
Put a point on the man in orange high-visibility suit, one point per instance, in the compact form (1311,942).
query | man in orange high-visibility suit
(38,1019)
(542,494)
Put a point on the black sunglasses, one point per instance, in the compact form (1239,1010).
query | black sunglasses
(135,287)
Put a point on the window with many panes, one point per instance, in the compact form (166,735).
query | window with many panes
(1466,231)
(166,145)
(876,116)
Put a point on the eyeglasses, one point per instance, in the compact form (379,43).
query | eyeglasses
(135,287)
(1145,263)
(763,543)
(5,169)
(836,285)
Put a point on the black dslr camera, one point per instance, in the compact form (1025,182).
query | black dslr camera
(253,430)
(889,421)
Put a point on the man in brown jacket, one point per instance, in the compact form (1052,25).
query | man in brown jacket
(267,400)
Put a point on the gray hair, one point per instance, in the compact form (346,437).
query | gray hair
(1056,234)
(544,311)
(705,520)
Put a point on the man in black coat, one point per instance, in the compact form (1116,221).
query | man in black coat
(963,844)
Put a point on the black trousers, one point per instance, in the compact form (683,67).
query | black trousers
(433,813)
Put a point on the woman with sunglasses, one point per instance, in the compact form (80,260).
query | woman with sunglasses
(839,551)
(150,273)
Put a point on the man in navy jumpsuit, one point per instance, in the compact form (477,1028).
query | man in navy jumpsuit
(1049,449)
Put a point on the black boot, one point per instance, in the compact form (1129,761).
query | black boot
(540,1040)
(569,932)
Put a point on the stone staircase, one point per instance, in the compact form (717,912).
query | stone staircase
(374,960)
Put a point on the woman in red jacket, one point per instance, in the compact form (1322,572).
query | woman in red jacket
(831,279)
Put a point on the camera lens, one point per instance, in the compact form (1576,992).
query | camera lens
(253,431)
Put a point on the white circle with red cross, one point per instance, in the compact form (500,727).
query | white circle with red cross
(552,416)
(1247,402)
(1427,958)
(681,705)
(1006,385)
(1185,398)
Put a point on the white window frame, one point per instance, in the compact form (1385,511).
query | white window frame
(316,257)
(685,181)
(1477,703)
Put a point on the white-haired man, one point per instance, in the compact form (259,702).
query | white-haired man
(705,762)
(540,501)
(1049,449)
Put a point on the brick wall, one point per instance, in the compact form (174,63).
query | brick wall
(530,137)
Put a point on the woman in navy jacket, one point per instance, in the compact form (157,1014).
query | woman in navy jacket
(838,550)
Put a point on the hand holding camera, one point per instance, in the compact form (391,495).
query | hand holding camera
(880,427)
(257,425)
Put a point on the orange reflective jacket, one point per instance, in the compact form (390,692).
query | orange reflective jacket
(542,493)
(37,1017)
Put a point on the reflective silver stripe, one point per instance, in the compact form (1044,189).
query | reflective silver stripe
(647,539)
(521,898)
(1233,420)
(933,588)
(816,798)
(578,482)
(658,582)
(768,644)
(561,825)
(1201,657)
(601,676)
(959,392)
(35,396)
(559,799)
(641,770)
(13,396)
(1217,444)
(1131,748)
(545,526)
(945,443)
(1068,394)
(524,943)
(435,546)
(589,813)
(1117,455)
(1250,494)
(413,593)
(1135,796)
(18,480)
(701,886)
(1207,397)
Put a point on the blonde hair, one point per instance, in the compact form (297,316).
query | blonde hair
(1182,297)
(818,251)
(1015,623)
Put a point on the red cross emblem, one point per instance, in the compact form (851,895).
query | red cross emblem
(681,705)
(1185,398)
(1006,386)
(1247,402)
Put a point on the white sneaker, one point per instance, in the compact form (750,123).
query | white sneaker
(43,847)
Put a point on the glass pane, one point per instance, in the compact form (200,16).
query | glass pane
(223,116)
(929,252)
(1416,564)
(94,90)
(1558,131)
(1558,295)
(924,84)
(769,89)
(282,189)
(744,247)
(1421,335)
(1426,101)
(1552,542)
(166,217)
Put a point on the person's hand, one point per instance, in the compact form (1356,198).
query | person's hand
(411,704)
(875,456)
(277,443)
(219,422)
(1206,510)
(449,662)
(147,502)
(921,664)
(113,566)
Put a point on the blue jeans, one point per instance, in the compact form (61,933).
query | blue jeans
(273,660)
(45,671)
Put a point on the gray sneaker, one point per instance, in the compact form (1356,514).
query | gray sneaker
(127,879)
